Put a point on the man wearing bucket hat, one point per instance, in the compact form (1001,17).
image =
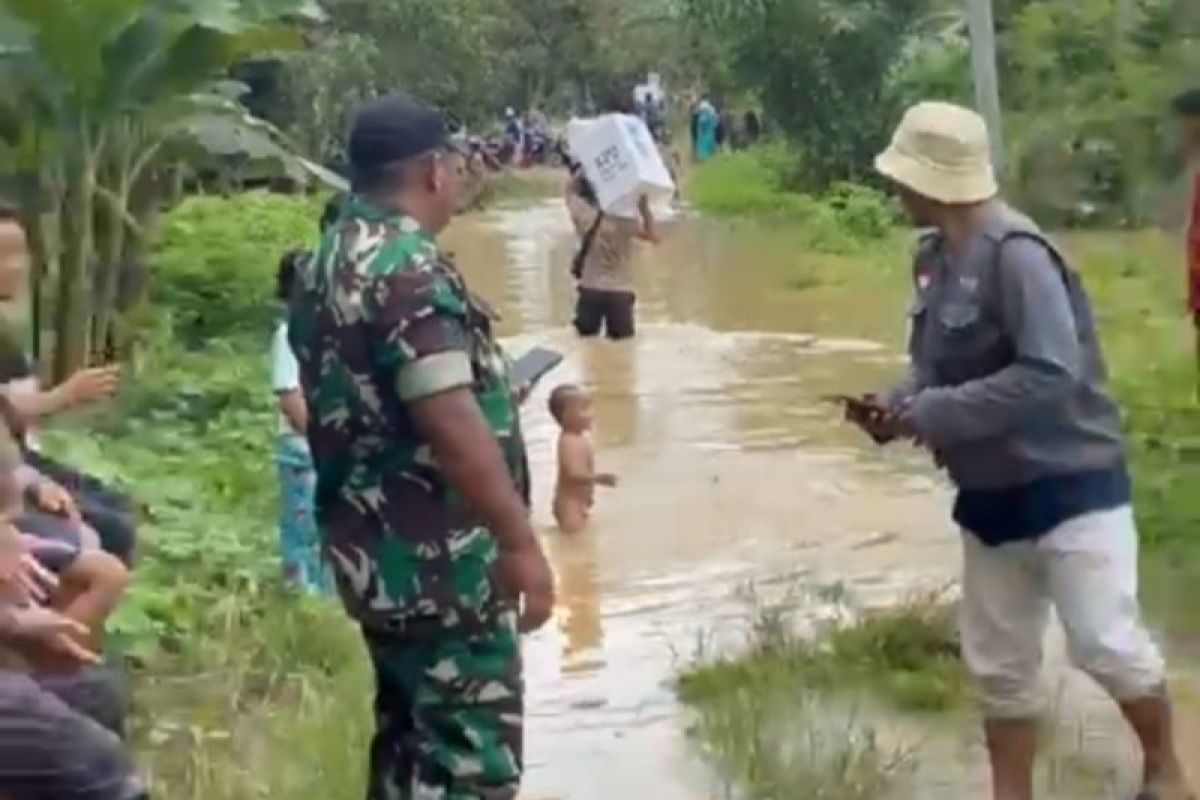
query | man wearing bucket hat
(1007,388)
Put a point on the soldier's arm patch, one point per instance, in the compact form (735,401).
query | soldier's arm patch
(434,374)
(420,333)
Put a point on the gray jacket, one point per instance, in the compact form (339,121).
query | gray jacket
(1007,383)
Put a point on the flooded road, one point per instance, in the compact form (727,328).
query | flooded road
(733,473)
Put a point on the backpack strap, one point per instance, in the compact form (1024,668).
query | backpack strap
(585,246)
(1064,268)
(1081,306)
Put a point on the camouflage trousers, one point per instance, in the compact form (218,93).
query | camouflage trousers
(448,711)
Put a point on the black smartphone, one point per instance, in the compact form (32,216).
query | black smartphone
(533,366)
(857,405)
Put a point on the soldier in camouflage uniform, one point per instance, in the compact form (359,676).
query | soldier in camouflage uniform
(420,468)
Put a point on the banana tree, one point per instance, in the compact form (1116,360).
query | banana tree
(99,94)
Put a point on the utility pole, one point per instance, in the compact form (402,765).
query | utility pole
(982,25)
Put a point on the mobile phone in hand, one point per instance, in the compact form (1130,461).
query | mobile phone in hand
(533,366)
(859,406)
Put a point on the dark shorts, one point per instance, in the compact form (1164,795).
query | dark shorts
(448,712)
(60,538)
(50,751)
(612,312)
(106,509)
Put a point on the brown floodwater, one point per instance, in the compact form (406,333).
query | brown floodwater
(734,474)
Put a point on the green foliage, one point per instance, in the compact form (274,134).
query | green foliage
(908,655)
(862,211)
(751,184)
(935,67)
(216,261)
(740,184)
(102,102)
(1085,86)
(1088,84)
(822,70)
(556,54)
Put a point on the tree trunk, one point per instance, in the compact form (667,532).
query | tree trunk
(73,312)
(111,261)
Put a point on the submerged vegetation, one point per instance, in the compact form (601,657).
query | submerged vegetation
(791,715)
(907,656)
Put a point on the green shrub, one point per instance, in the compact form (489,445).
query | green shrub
(738,184)
(753,184)
(862,211)
(215,260)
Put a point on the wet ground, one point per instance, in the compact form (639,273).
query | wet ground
(734,474)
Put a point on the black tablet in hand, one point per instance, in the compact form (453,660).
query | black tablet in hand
(533,366)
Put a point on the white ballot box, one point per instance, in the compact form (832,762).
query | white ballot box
(621,160)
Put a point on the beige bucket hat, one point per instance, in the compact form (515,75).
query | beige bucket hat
(941,151)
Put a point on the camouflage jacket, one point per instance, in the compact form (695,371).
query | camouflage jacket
(381,318)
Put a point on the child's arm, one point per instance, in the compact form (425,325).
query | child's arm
(285,380)
(575,463)
(294,410)
(85,386)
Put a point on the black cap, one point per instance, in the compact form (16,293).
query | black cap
(394,128)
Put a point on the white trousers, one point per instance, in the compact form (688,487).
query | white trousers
(1087,570)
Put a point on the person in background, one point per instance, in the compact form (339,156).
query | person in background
(652,114)
(304,566)
(1187,108)
(50,744)
(538,121)
(1008,389)
(514,133)
(694,125)
(706,123)
(421,468)
(603,264)
(63,503)
(299,545)
(727,133)
(751,128)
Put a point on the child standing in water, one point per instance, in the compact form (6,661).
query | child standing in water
(575,491)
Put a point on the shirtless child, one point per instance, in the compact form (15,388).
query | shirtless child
(575,492)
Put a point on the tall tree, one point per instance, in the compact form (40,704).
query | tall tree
(818,65)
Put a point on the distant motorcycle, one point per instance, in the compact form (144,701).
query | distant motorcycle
(545,150)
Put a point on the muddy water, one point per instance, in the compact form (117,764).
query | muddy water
(733,474)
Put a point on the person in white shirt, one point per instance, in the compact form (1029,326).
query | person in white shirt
(299,542)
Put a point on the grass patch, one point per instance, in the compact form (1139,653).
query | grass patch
(907,655)
(753,184)
(780,719)
(297,684)
(790,745)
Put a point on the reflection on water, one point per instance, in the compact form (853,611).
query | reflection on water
(733,473)
(574,560)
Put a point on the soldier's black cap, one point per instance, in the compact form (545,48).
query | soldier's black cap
(394,128)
